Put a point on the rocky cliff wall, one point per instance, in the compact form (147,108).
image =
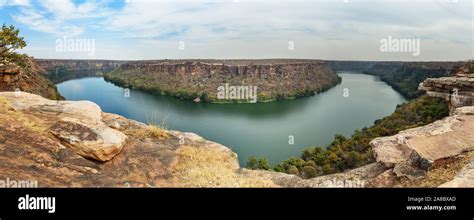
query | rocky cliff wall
(62,70)
(79,65)
(200,80)
(28,78)
(406,76)
(457,89)
(359,66)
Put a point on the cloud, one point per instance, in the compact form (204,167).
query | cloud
(259,28)
(14,3)
(39,22)
(60,17)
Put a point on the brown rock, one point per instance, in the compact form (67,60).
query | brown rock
(427,146)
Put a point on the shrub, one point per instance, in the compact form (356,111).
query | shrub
(348,153)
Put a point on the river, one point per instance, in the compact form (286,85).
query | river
(276,130)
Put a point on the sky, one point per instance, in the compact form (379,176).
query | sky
(236,29)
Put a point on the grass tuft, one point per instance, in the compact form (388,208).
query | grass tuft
(155,131)
(207,167)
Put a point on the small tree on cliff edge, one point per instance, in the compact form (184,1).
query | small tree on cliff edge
(9,42)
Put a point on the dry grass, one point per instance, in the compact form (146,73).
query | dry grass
(7,113)
(207,167)
(440,175)
(4,103)
(157,132)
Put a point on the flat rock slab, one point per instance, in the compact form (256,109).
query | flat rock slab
(442,139)
(446,145)
(99,142)
(77,124)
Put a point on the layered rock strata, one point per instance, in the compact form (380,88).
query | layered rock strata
(457,89)
(201,79)
(27,78)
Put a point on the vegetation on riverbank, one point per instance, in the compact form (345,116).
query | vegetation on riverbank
(199,81)
(347,153)
(405,77)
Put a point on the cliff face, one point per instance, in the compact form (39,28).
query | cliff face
(457,90)
(79,65)
(359,66)
(29,78)
(63,70)
(274,79)
(406,76)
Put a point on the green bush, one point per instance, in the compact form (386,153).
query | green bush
(348,153)
(258,164)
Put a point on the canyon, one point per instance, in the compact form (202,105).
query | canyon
(76,144)
(405,77)
(97,149)
(62,70)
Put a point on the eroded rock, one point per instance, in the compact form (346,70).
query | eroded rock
(414,151)
(100,142)
(457,90)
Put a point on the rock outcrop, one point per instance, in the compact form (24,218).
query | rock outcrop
(79,65)
(457,89)
(192,79)
(406,76)
(58,70)
(28,78)
(75,144)
(414,151)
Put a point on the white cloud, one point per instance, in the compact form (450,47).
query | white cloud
(39,22)
(259,29)
(14,3)
(60,17)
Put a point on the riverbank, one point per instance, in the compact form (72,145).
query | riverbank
(200,81)
(260,129)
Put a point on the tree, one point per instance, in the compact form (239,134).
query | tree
(293,170)
(9,42)
(260,164)
(252,163)
(309,172)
